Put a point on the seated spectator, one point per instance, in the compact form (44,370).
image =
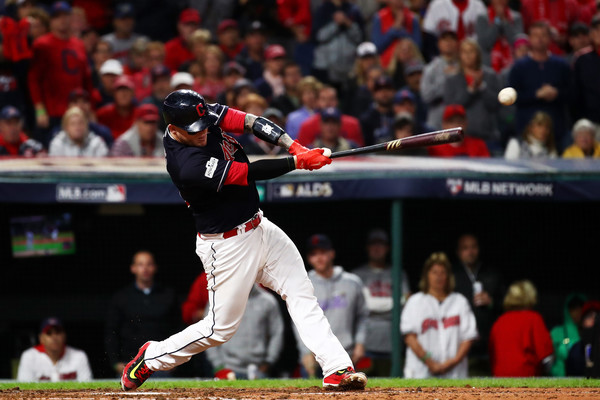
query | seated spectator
(290,99)
(232,72)
(209,82)
(311,127)
(178,50)
(182,80)
(257,343)
(81,98)
(308,91)
(251,57)
(583,356)
(143,139)
(405,53)
(270,84)
(13,142)
(537,140)
(405,102)
(566,335)
(586,82)
(242,88)
(110,70)
(161,87)
(118,116)
(75,138)
(330,135)
(228,38)
(337,29)
(123,36)
(496,31)
(255,146)
(476,88)
(437,324)
(413,73)
(142,309)
(155,54)
(454,15)
(199,41)
(542,81)
(376,122)
(362,99)
(254,104)
(435,75)
(137,68)
(392,23)
(456,117)
(584,141)
(340,295)
(52,360)
(404,126)
(359,91)
(520,344)
(101,53)
(579,41)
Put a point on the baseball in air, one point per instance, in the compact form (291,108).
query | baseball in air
(507,96)
(326,152)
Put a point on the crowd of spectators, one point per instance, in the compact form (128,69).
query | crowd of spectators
(335,73)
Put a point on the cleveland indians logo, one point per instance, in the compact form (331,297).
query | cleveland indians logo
(200,110)
(229,146)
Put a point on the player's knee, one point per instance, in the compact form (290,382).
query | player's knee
(221,336)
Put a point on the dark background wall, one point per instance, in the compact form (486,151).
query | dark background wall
(553,244)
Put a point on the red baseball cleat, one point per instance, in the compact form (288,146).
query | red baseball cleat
(136,372)
(346,379)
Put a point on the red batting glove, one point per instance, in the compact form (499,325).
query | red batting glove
(296,148)
(312,159)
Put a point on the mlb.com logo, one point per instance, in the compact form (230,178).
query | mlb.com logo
(455,186)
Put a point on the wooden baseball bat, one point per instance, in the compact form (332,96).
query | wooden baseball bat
(423,140)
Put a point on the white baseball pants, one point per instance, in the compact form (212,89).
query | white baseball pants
(265,255)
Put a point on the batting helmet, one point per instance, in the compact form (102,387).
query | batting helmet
(187,110)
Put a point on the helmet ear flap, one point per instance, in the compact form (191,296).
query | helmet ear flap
(187,110)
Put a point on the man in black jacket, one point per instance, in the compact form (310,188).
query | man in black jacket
(482,285)
(138,311)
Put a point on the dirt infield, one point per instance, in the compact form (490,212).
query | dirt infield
(312,393)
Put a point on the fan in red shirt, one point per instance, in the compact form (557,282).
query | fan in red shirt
(520,344)
(59,65)
(228,36)
(311,127)
(454,117)
(118,116)
(178,50)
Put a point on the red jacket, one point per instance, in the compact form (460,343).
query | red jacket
(197,299)
(470,147)
(310,129)
(176,53)
(117,123)
(519,341)
(58,67)
(295,12)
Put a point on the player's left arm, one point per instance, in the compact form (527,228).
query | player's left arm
(236,121)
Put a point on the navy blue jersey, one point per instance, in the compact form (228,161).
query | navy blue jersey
(200,174)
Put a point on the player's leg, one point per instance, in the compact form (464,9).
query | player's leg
(231,266)
(284,272)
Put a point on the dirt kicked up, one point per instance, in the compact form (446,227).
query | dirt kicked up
(311,393)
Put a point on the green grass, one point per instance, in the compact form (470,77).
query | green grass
(157,384)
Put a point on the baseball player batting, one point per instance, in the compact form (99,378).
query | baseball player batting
(236,243)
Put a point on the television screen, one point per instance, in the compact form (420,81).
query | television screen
(42,235)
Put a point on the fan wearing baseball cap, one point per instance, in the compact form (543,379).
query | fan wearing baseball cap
(13,142)
(228,37)
(143,139)
(178,49)
(118,116)
(52,360)
(455,116)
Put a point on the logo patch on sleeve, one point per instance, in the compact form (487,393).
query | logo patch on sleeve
(211,166)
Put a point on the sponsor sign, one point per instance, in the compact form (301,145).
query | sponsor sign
(90,193)
(472,187)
